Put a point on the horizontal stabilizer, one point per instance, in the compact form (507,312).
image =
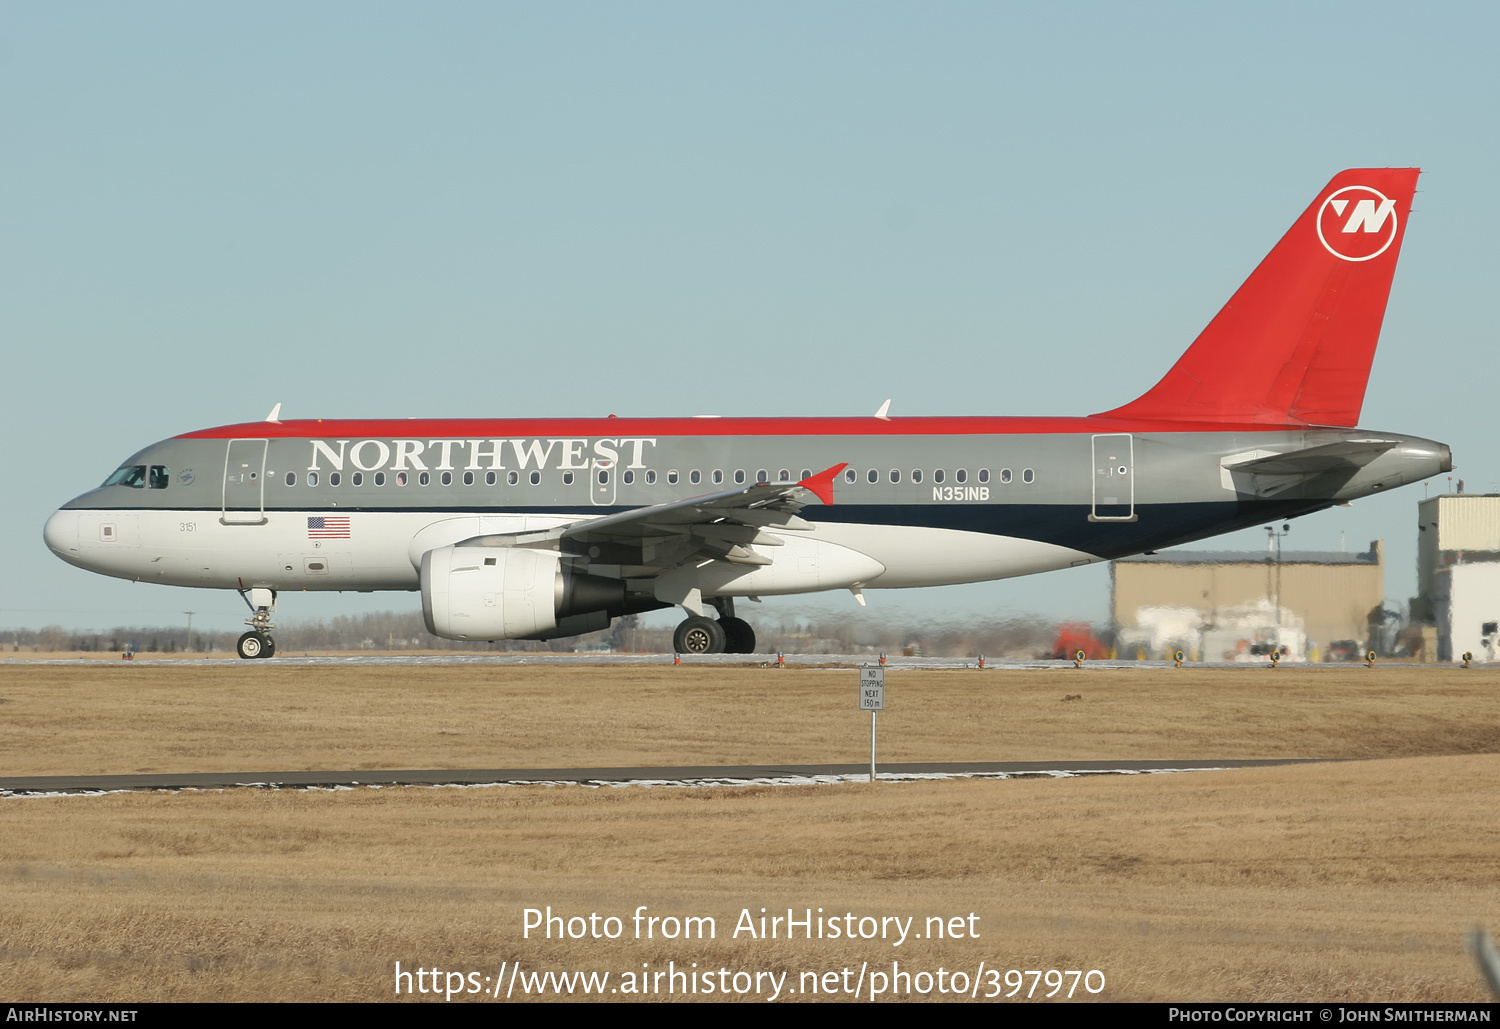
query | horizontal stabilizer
(1317,460)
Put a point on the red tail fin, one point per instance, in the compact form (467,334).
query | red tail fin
(1294,343)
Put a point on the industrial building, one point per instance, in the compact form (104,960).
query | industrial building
(1237,605)
(1458,574)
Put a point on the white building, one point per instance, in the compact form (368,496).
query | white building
(1458,573)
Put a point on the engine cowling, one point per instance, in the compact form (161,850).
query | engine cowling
(507,593)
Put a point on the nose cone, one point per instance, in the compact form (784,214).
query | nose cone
(61,534)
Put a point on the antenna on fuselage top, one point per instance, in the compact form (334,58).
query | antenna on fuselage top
(275,415)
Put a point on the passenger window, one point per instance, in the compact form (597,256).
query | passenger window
(312,478)
(1004,476)
(468,478)
(916,475)
(718,476)
(783,476)
(762,476)
(961,476)
(400,478)
(446,478)
(567,478)
(806,474)
(357,479)
(334,478)
(291,478)
(424,479)
(937,476)
(984,475)
(739,475)
(627,477)
(513,477)
(873,475)
(159,476)
(380,478)
(536,478)
(695,477)
(490,478)
(851,475)
(604,477)
(672,476)
(650,477)
(1027,475)
(895,475)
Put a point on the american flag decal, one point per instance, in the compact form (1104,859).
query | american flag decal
(328,527)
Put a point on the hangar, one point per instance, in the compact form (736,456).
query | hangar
(1218,605)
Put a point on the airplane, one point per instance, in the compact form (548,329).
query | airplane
(545,528)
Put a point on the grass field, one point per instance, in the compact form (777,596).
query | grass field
(1342,881)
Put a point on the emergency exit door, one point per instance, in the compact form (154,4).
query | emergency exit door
(602,484)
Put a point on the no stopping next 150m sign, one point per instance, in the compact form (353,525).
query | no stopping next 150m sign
(872,689)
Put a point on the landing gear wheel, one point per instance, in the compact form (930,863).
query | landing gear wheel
(268,649)
(699,636)
(739,638)
(253,645)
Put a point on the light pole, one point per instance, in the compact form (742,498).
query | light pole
(190,628)
(1274,537)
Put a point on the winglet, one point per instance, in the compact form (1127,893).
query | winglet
(275,415)
(884,413)
(821,484)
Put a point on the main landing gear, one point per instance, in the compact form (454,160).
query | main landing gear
(257,642)
(726,635)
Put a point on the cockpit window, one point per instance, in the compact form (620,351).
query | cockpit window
(132,475)
(159,476)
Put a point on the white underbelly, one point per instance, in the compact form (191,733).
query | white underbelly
(382,550)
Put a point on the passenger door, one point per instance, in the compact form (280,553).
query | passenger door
(1113,497)
(245,482)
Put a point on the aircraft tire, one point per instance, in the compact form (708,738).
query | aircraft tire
(739,636)
(699,636)
(269,647)
(251,646)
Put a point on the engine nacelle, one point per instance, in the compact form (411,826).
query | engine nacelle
(508,593)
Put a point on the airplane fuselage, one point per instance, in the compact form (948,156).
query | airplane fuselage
(924,501)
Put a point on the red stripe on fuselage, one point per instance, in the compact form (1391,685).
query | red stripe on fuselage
(489,428)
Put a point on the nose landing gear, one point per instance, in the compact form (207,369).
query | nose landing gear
(257,643)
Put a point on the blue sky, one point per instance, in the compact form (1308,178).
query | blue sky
(655,209)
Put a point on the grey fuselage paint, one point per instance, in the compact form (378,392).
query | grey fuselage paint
(1046,487)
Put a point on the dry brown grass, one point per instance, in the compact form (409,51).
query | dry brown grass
(1351,881)
(89,719)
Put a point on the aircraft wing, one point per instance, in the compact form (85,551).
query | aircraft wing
(725,525)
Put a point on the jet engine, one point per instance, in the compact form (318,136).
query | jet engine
(507,593)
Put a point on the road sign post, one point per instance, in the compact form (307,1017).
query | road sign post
(872,699)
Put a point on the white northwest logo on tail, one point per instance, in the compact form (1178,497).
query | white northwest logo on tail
(1357,223)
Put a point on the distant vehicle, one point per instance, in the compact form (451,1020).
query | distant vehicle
(1344,650)
(541,528)
(1075,636)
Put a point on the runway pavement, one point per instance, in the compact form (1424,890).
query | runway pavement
(607,659)
(707,775)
